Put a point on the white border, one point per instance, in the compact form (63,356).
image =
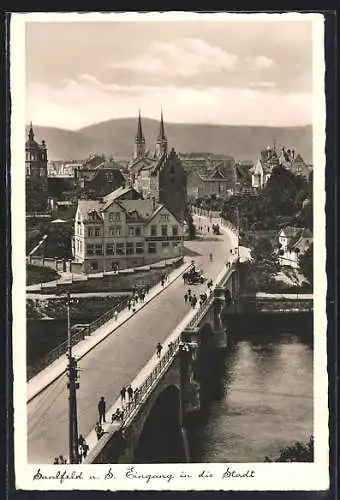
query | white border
(271,477)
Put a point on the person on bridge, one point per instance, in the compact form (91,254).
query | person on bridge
(185,298)
(211,257)
(159,348)
(130,392)
(116,315)
(102,410)
(99,430)
(85,449)
(62,460)
(123,394)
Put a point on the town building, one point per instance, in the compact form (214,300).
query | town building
(220,181)
(160,176)
(121,232)
(293,242)
(36,174)
(269,159)
(244,176)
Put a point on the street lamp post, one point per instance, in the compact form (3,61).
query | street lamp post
(72,386)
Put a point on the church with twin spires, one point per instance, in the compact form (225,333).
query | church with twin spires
(158,176)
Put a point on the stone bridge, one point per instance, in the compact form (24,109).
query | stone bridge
(154,425)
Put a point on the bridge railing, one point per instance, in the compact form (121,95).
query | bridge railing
(80,334)
(150,380)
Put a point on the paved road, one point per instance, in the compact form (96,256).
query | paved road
(116,361)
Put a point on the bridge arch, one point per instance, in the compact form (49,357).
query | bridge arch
(161,439)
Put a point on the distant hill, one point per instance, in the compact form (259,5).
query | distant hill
(116,137)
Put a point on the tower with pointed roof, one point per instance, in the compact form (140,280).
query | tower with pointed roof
(139,149)
(36,173)
(162,141)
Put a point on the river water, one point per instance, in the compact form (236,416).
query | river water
(261,401)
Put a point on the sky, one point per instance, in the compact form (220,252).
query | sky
(221,72)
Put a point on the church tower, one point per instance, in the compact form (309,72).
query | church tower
(139,150)
(162,141)
(36,173)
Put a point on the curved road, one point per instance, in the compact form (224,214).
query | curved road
(116,360)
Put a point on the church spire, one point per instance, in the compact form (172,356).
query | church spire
(140,139)
(31,133)
(162,141)
(139,136)
(161,133)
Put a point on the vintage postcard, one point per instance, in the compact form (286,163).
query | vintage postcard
(169,310)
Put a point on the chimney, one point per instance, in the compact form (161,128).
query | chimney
(153,203)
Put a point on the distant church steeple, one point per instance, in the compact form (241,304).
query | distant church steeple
(31,133)
(162,141)
(139,150)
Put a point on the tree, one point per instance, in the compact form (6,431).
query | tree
(299,452)
(190,222)
(306,264)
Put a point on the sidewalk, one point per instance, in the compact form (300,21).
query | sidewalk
(47,376)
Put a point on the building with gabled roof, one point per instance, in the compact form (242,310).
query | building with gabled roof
(219,181)
(117,232)
(293,242)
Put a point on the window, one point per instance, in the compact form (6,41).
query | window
(138,231)
(98,248)
(114,216)
(120,248)
(174,230)
(152,247)
(131,231)
(129,248)
(90,232)
(89,249)
(109,249)
(114,231)
(164,230)
(94,266)
(139,247)
(153,230)
(175,244)
(97,231)
(165,245)
(164,217)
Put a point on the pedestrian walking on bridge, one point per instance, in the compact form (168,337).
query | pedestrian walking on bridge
(159,348)
(99,430)
(123,394)
(185,298)
(102,410)
(130,392)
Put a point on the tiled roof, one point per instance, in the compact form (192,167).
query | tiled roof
(115,195)
(87,207)
(143,208)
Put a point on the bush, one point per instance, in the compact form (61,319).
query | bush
(299,452)
(37,274)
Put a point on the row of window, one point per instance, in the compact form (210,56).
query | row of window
(128,249)
(132,231)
